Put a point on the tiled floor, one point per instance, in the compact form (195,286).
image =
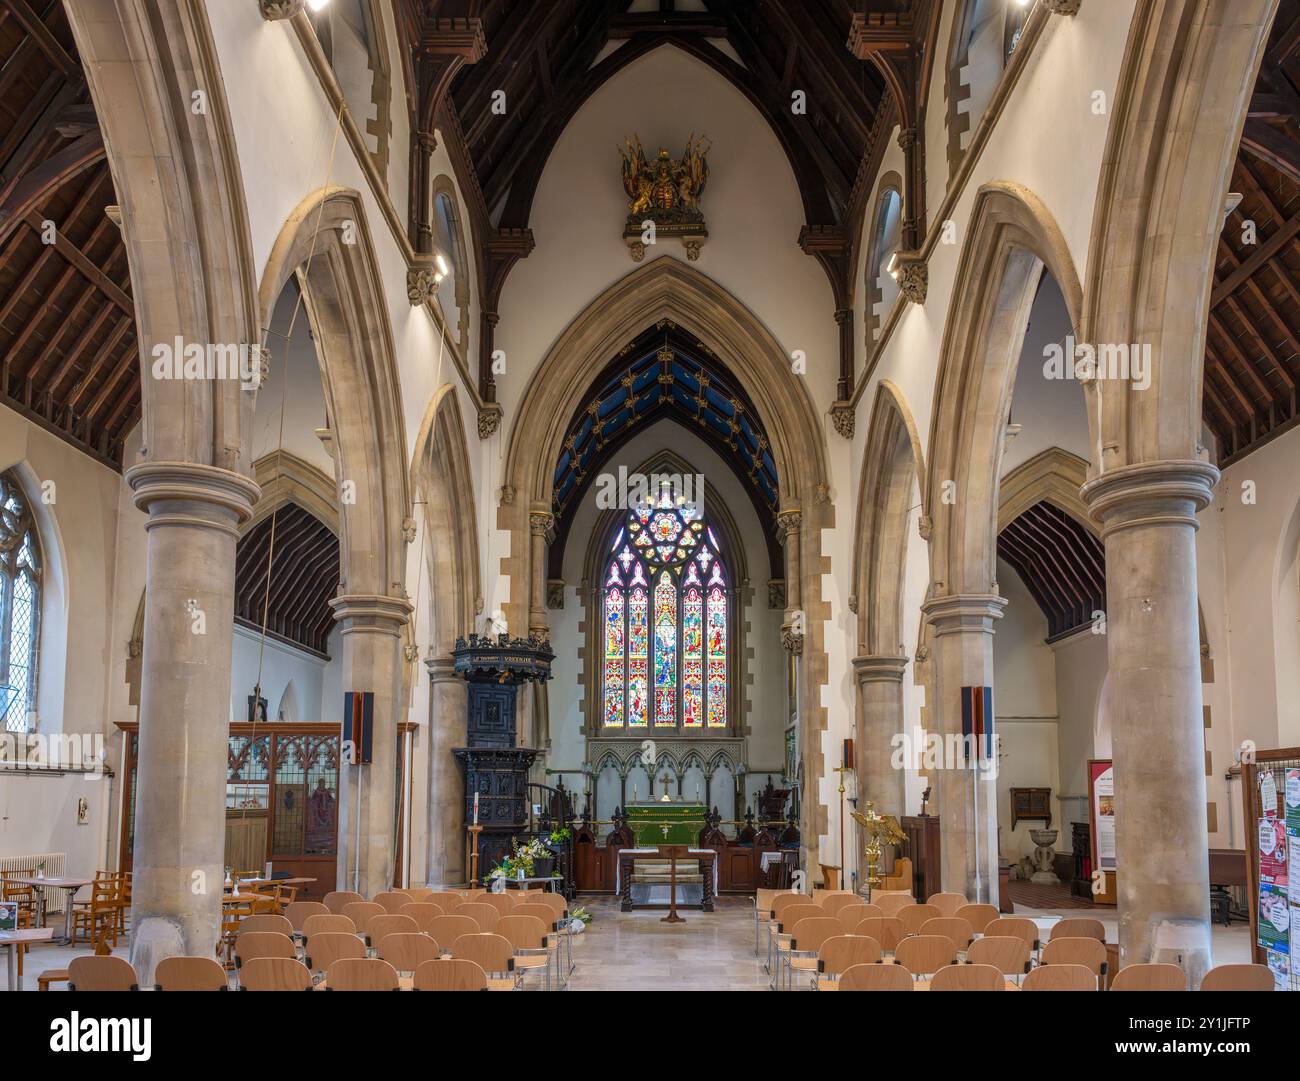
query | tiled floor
(634,951)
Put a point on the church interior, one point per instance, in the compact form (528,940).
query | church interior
(649,494)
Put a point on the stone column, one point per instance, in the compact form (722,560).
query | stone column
(180,809)
(540,522)
(371,629)
(448,716)
(1148,517)
(791,523)
(967,798)
(880,719)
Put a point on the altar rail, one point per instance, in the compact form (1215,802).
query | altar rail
(740,859)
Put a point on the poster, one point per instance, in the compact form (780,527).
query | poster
(1280,965)
(1272,852)
(1293,854)
(1274,919)
(1267,794)
(1101,782)
(1292,799)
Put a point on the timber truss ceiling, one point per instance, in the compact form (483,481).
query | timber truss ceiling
(1061,563)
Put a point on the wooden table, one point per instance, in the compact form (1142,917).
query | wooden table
(24,936)
(70,886)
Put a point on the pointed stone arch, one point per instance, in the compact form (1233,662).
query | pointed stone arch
(1054,475)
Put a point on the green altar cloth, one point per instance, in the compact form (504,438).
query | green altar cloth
(659,823)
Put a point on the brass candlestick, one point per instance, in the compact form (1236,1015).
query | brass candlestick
(877,829)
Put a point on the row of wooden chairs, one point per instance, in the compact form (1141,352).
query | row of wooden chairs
(1055,977)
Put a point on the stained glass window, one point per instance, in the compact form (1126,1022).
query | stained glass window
(20,606)
(665,607)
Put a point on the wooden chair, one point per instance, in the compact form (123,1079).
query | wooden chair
(876,978)
(98,919)
(492,953)
(101,973)
(1016,926)
(298,912)
(954,927)
(1078,951)
(556,931)
(447,929)
(486,916)
(392,901)
(1238,978)
(262,944)
(947,903)
(821,896)
(892,903)
(232,917)
(914,917)
(49,976)
(806,939)
(327,924)
(787,916)
(922,954)
(1150,977)
(836,903)
(450,974)
(1009,954)
(555,901)
(533,946)
(414,893)
(968,978)
(978,916)
(335,900)
(361,974)
(383,926)
(504,903)
(190,974)
(901,878)
(22,895)
(763,899)
(1077,927)
(423,913)
(406,951)
(887,930)
(1060,978)
(361,913)
(840,953)
(266,922)
(446,899)
(324,949)
(852,915)
(274,974)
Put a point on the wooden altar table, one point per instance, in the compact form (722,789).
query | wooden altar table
(707,857)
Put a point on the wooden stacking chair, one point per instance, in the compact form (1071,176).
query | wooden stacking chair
(335,900)
(534,948)
(968,978)
(323,950)
(504,903)
(852,915)
(262,944)
(362,974)
(392,901)
(876,978)
(266,921)
(1238,978)
(1009,954)
(1150,977)
(914,917)
(557,926)
(190,974)
(123,902)
(406,951)
(447,899)
(274,974)
(22,895)
(954,927)
(923,954)
(98,918)
(821,896)
(414,893)
(233,916)
(446,929)
(1077,927)
(382,926)
(423,913)
(1017,926)
(978,916)
(327,924)
(891,904)
(1077,951)
(298,912)
(361,913)
(887,930)
(806,938)
(763,899)
(947,903)
(492,953)
(486,916)
(450,974)
(837,902)
(1060,978)
(101,973)
(842,952)
(779,929)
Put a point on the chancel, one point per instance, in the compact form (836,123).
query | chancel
(649,495)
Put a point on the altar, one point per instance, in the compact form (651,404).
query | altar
(666,822)
(643,879)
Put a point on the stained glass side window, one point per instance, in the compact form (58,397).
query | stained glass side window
(665,610)
(20,606)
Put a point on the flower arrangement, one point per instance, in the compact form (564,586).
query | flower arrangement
(559,836)
(523,859)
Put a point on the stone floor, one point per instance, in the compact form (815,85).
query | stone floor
(634,951)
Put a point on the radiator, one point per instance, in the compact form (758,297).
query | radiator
(55,900)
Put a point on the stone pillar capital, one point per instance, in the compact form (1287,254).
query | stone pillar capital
(1150,493)
(540,522)
(442,670)
(790,519)
(190,494)
(963,612)
(371,612)
(879,669)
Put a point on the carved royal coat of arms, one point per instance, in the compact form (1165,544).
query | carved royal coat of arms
(664,196)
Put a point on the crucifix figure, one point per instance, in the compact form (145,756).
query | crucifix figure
(664,779)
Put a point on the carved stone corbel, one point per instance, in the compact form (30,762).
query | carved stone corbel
(843,416)
(489,419)
(420,285)
(912,275)
(275,10)
(1062,7)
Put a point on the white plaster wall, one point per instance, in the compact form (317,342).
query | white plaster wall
(281,663)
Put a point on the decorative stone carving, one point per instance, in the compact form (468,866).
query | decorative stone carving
(410,651)
(275,10)
(555,593)
(843,416)
(1062,7)
(922,654)
(540,522)
(776,593)
(792,640)
(925,526)
(408,530)
(789,521)
(507,495)
(853,603)
(135,647)
(913,278)
(420,285)
(489,419)
(906,139)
